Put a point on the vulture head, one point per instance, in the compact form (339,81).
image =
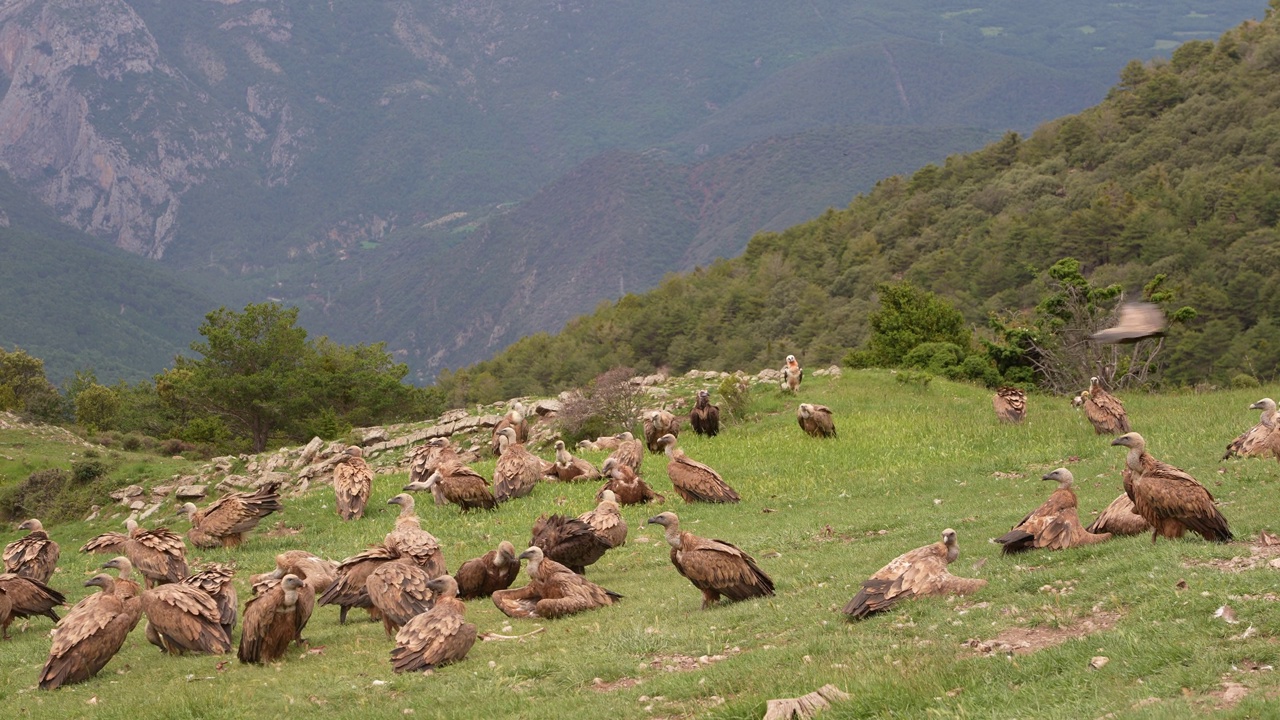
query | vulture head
(355,451)
(1062,476)
(506,438)
(534,555)
(404,500)
(1264,404)
(559,445)
(953,548)
(102,580)
(187,509)
(805,410)
(669,521)
(609,464)
(1093,383)
(791,360)
(1132,440)
(120,563)
(506,554)
(438,442)
(34,525)
(292,582)
(625,436)
(607,496)
(667,442)
(443,586)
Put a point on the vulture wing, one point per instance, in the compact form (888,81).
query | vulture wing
(1168,494)
(1010,404)
(516,474)
(467,488)
(216,581)
(30,598)
(698,483)
(187,619)
(608,524)
(721,567)
(352,483)
(348,589)
(1251,443)
(566,593)
(1136,321)
(34,556)
(437,637)
(1120,518)
(481,578)
(521,602)
(1106,412)
(109,542)
(922,571)
(399,589)
(87,640)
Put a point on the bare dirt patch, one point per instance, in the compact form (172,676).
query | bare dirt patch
(685,663)
(623,683)
(1264,551)
(1024,641)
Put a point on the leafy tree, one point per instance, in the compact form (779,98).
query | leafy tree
(97,406)
(24,387)
(908,317)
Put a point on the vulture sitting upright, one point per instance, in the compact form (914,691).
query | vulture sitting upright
(918,573)
(606,520)
(1104,410)
(517,471)
(91,634)
(274,619)
(482,576)
(514,419)
(572,469)
(1119,518)
(437,637)
(713,566)
(694,481)
(568,541)
(182,618)
(1054,525)
(792,374)
(408,539)
(816,420)
(1010,404)
(1253,442)
(627,487)
(398,590)
(22,597)
(226,520)
(158,554)
(427,458)
(553,591)
(458,484)
(704,418)
(656,424)
(34,555)
(1168,498)
(630,451)
(352,484)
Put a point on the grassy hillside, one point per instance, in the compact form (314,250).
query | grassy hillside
(819,516)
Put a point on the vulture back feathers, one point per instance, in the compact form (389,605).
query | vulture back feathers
(568,541)
(715,567)
(226,520)
(918,573)
(630,452)
(1054,525)
(34,555)
(704,418)
(1255,442)
(1119,518)
(553,591)
(352,485)
(398,589)
(23,597)
(274,619)
(816,420)
(1104,410)
(158,554)
(91,634)
(1010,404)
(482,576)
(184,618)
(1168,498)
(438,636)
(459,485)
(656,424)
(568,468)
(517,471)
(627,487)
(694,481)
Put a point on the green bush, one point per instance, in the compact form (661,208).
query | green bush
(735,393)
(86,471)
(936,357)
(34,495)
(1244,381)
(975,368)
(914,378)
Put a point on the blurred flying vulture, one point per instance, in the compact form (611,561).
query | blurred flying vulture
(606,520)
(517,471)
(459,485)
(792,374)
(1010,404)
(273,620)
(437,637)
(568,541)
(553,591)
(514,419)
(572,469)
(427,458)
(352,484)
(22,597)
(34,555)
(348,589)
(694,481)
(1119,518)
(713,566)
(158,554)
(602,443)
(319,573)
(921,572)
(398,590)
(91,634)
(408,539)
(1054,525)
(816,420)
(630,451)
(1168,498)
(627,487)
(1136,321)
(1251,443)
(482,576)
(656,424)
(705,417)
(225,522)
(1104,410)
(183,618)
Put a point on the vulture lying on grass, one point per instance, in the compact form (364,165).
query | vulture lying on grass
(352,484)
(514,419)
(656,424)
(437,637)
(1254,441)
(1168,498)
(553,591)
(713,566)
(22,597)
(606,520)
(704,418)
(517,471)
(918,573)
(493,571)
(182,618)
(1104,410)
(816,420)
(91,634)
(158,554)
(458,484)
(694,481)
(1054,525)
(398,590)
(792,374)
(273,620)
(627,487)
(33,555)
(568,541)
(1010,404)
(1119,518)
(226,520)
(568,468)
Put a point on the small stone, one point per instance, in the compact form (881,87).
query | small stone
(1098,661)
(191,492)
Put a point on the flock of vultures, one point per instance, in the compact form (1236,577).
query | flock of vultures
(404,582)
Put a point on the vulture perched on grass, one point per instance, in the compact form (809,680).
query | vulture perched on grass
(704,418)
(568,541)
(694,481)
(656,424)
(816,420)
(1168,498)
(493,571)
(1010,404)
(33,555)
(1119,518)
(572,469)
(158,554)
(427,458)
(627,487)
(319,573)
(715,567)
(606,520)
(226,520)
(408,539)
(274,619)
(458,484)
(553,591)
(517,470)
(125,568)
(91,634)
(792,374)
(217,581)
(348,589)
(398,590)
(1104,410)
(918,573)
(352,484)
(1054,525)
(22,597)
(183,618)
(437,637)
(1250,443)
(630,451)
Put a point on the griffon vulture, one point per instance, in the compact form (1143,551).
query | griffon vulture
(704,418)
(627,487)
(158,554)
(568,541)
(352,484)
(125,578)
(568,468)
(715,567)
(1252,442)
(458,484)
(517,470)
(34,555)
(1010,404)
(1104,410)
(630,451)
(482,576)
(91,634)
(1135,321)
(22,597)
(319,573)
(816,420)
(218,581)
(792,374)
(514,419)
(225,522)
(606,520)
(427,458)
(437,637)
(1119,518)
(183,618)
(656,424)
(553,591)
(918,573)
(273,620)
(398,590)
(1054,525)
(1168,498)
(694,481)
(348,589)
(408,539)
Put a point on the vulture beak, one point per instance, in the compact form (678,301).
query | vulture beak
(653,521)
(1118,441)
(396,500)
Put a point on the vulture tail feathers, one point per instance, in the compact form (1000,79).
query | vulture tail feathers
(1016,541)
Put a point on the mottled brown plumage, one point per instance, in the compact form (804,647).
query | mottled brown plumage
(1119,518)
(427,458)
(348,589)
(1254,442)
(517,471)
(408,539)
(568,541)
(319,573)
(918,573)
(606,520)
(704,418)
(158,554)
(1168,498)
(398,590)
(34,555)
(273,620)
(628,487)
(1105,410)
(183,618)
(568,468)
(816,420)
(352,484)
(514,419)
(23,597)
(217,580)
(715,567)
(493,571)
(1010,404)
(792,374)
(553,591)
(91,634)
(437,637)
(694,481)
(630,451)
(1054,525)
(656,424)
(460,485)
(226,521)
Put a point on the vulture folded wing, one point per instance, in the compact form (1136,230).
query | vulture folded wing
(109,542)
(521,602)
(699,483)
(1119,518)
(432,639)
(400,591)
(1171,494)
(186,616)
(904,577)
(722,567)
(565,593)
(352,484)
(30,598)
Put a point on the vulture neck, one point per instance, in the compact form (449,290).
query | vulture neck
(952,550)
(674,537)
(1268,418)
(290,601)
(563,457)
(1133,460)
(535,567)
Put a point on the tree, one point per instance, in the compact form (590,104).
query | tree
(909,316)
(24,387)
(97,407)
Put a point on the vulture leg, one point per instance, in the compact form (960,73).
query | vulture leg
(709,598)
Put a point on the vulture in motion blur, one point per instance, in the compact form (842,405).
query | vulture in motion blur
(398,590)
(715,567)
(606,520)
(274,619)
(458,484)
(1250,443)
(427,458)
(517,470)
(514,419)
(630,451)
(33,555)
(226,520)
(408,539)
(918,573)
(792,374)
(1119,518)
(158,554)
(694,481)
(568,541)
(1104,410)
(1136,321)
(627,487)
(1054,525)
(1010,404)
(656,424)
(482,576)
(348,589)
(217,581)
(183,618)
(572,469)
(704,418)
(91,634)
(437,637)
(22,597)
(1168,498)
(352,484)
(816,420)
(553,591)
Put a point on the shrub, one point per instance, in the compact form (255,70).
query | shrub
(914,377)
(975,368)
(1245,380)
(131,442)
(34,495)
(609,404)
(936,357)
(735,393)
(86,471)
(174,446)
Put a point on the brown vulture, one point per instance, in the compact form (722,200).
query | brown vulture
(91,634)
(217,581)
(627,487)
(1054,525)
(918,573)
(22,597)
(1135,321)
(704,418)
(1104,410)
(482,576)
(274,619)
(33,555)
(398,590)
(568,541)
(606,520)
(656,424)
(514,419)
(715,567)
(1252,442)
(319,573)
(1168,498)
(348,589)
(426,458)
(792,374)
(1119,518)
(408,539)
(158,554)
(183,618)
(570,469)
(226,520)
(630,451)
(458,484)
(352,484)
(517,470)
(553,591)
(816,420)
(437,637)
(694,481)
(1010,404)
(125,568)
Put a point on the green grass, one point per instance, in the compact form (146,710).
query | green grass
(900,451)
